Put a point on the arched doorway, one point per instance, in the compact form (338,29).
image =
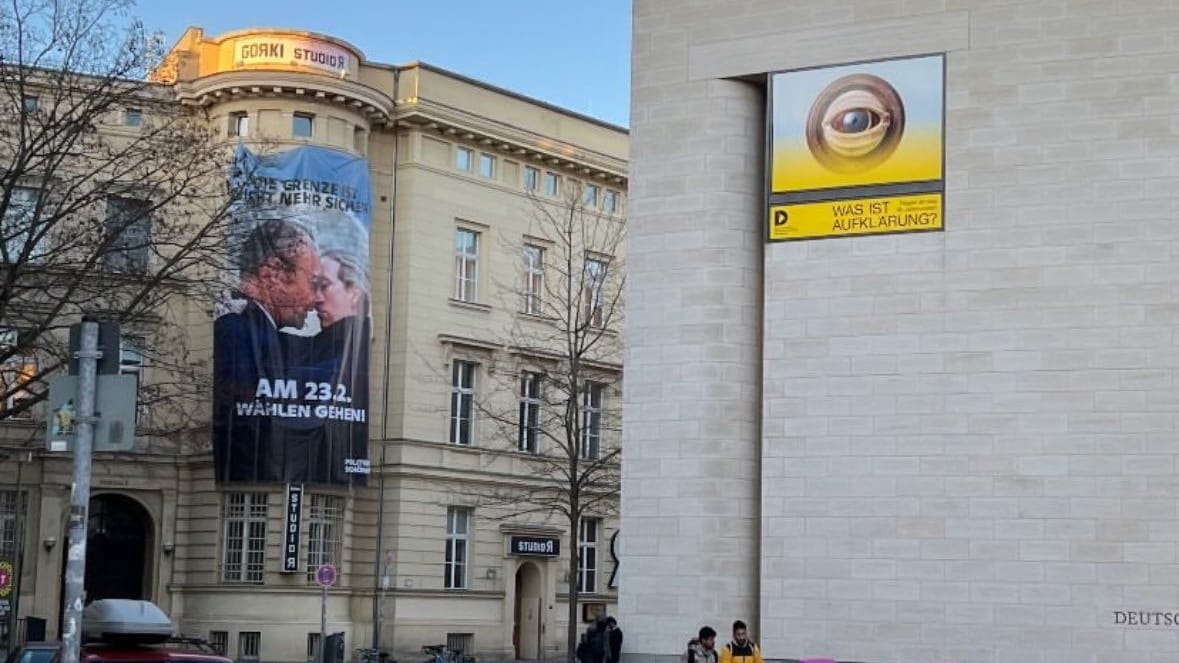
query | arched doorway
(529,608)
(118,540)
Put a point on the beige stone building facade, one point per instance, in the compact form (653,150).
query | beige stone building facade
(458,172)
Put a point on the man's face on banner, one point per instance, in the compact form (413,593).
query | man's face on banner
(291,286)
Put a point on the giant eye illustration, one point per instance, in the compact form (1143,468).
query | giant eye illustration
(855,123)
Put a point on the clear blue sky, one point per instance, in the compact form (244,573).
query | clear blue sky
(571,53)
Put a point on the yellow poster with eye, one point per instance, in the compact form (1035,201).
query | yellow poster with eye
(859,124)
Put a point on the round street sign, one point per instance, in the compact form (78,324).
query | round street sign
(326,575)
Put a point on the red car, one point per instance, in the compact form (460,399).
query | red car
(179,651)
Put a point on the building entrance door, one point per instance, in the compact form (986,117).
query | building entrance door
(118,541)
(529,604)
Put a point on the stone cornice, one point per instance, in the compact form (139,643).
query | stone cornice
(457,124)
(225,86)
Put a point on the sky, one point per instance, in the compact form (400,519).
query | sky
(572,53)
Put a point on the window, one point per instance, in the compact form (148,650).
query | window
(20,228)
(239,124)
(460,642)
(593,282)
(590,195)
(219,640)
(533,279)
(132,117)
(552,184)
(11,503)
(610,202)
(462,159)
(244,546)
(466,265)
(16,373)
(131,356)
(249,645)
(486,165)
(128,227)
(360,140)
(587,555)
(29,104)
(591,420)
(458,528)
(325,532)
(303,125)
(462,403)
(531,178)
(528,439)
(313,647)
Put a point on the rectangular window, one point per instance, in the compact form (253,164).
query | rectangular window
(360,140)
(591,420)
(244,538)
(593,283)
(325,532)
(466,265)
(313,647)
(590,195)
(131,361)
(587,555)
(531,178)
(610,202)
(303,125)
(20,227)
(460,642)
(462,159)
(249,645)
(11,503)
(128,227)
(29,104)
(16,374)
(528,439)
(462,403)
(219,641)
(239,124)
(486,165)
(552,184)
(533,279)
(132,117)
(458,529)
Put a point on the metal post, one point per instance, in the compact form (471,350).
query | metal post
(323,626)
(17,556)
(75,574)
(378,577)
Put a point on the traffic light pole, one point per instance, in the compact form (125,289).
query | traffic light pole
(75,574)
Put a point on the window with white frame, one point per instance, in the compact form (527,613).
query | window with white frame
(591,420)
(593,283)
(19,227)
(589,194)
(131,361)
(325,532)
(466,265)
(132,117)
(219,641)
(587,555)
(244,538)
(552,184)
(128,228)
(528,438)
(462,403)
(17,372)
(486,165)
(610,201)
(458,535)
(249,645)
(531,178)
(533,279)
(462,159)
(239,124)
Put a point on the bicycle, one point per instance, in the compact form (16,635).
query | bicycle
(443,654)
(370,655)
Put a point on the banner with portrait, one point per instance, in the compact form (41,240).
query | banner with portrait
(292,327)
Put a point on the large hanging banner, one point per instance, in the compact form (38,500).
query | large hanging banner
(291,335)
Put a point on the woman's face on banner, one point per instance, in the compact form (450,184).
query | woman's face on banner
(340,300)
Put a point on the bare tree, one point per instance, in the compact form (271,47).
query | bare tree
(555,388)
(113,199)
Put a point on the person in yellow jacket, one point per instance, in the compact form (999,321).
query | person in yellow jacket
(741,649)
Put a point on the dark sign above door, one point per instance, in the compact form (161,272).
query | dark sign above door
(539,546)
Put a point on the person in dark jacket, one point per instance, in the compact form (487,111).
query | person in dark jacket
(614,634)
(595,645)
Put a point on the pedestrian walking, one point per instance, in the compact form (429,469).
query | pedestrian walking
(741,649)
(595,643)
(702,649)
(614,636)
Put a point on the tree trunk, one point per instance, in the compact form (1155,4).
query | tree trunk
(571,634)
